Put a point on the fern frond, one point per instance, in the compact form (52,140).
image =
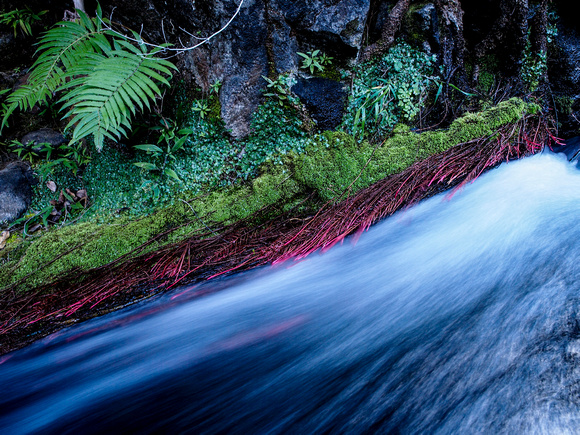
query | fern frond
(63,53)
(102,103)
(102,77)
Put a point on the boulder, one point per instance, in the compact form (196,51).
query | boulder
(44,135)
(263,40)
(564,76)
(324,99)
(16,181)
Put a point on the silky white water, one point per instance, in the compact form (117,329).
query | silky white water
(459,315)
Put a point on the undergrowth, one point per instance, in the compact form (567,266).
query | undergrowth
(331,165)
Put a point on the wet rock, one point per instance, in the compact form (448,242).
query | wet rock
(338,19)
(16,181)
(422,28)
(570,148)
(324,99)
(44,135)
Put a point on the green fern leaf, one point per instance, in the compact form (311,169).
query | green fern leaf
(103,102)
(64,52)
(103,78)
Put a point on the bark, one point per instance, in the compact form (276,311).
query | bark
(452,44)
(390,29)
(539,29)
(539,34)
(508,36)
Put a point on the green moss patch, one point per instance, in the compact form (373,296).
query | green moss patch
(328,166)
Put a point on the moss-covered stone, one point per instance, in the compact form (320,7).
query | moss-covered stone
(331,171)
(329,167)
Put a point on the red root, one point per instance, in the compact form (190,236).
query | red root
(242,246)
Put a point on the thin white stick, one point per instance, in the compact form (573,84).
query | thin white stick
(183,49)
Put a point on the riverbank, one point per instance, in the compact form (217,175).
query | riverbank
(289,211)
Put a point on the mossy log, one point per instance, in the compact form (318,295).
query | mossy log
(290,210)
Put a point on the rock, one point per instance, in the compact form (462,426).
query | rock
(261,41)
(265,38)
(564,76)
(325,100)
(337,19)
(16,181)
(44,135)
(422,28)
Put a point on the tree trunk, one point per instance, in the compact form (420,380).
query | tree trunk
(390,29)
(510,30)
(539,34)
(452,46)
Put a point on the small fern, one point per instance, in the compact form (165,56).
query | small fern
(101,78)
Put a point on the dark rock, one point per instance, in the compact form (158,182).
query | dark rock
(16,181)
(261,41)
(324,99)
(343,18)
(422,28)
(564,76)
(44,135)
(570,148)
(264,39)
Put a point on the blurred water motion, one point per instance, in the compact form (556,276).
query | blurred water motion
(457,316)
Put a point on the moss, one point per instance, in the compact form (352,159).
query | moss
(564,104)
(330,165)
(330,72)
(215,109)
(331,171)
(88,245)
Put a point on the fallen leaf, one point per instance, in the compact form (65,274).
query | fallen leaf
(51,186)
(3,237)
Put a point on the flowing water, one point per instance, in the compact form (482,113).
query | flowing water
(459,315)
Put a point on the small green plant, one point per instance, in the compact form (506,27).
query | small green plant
(389,91)
(24,152)
(315,60)
(21,18)
(215,88)
(202,108)
(170,141)
(101,76)
(279,89)
(69,156)
(534,66)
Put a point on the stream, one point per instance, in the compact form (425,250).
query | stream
(459,315)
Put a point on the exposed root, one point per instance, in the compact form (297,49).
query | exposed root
(242,246)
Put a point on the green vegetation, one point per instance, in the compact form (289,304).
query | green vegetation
(102,78)
(279,89)
(389,91)
(328,165)
(315,61)
(21,18)
(187,173)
